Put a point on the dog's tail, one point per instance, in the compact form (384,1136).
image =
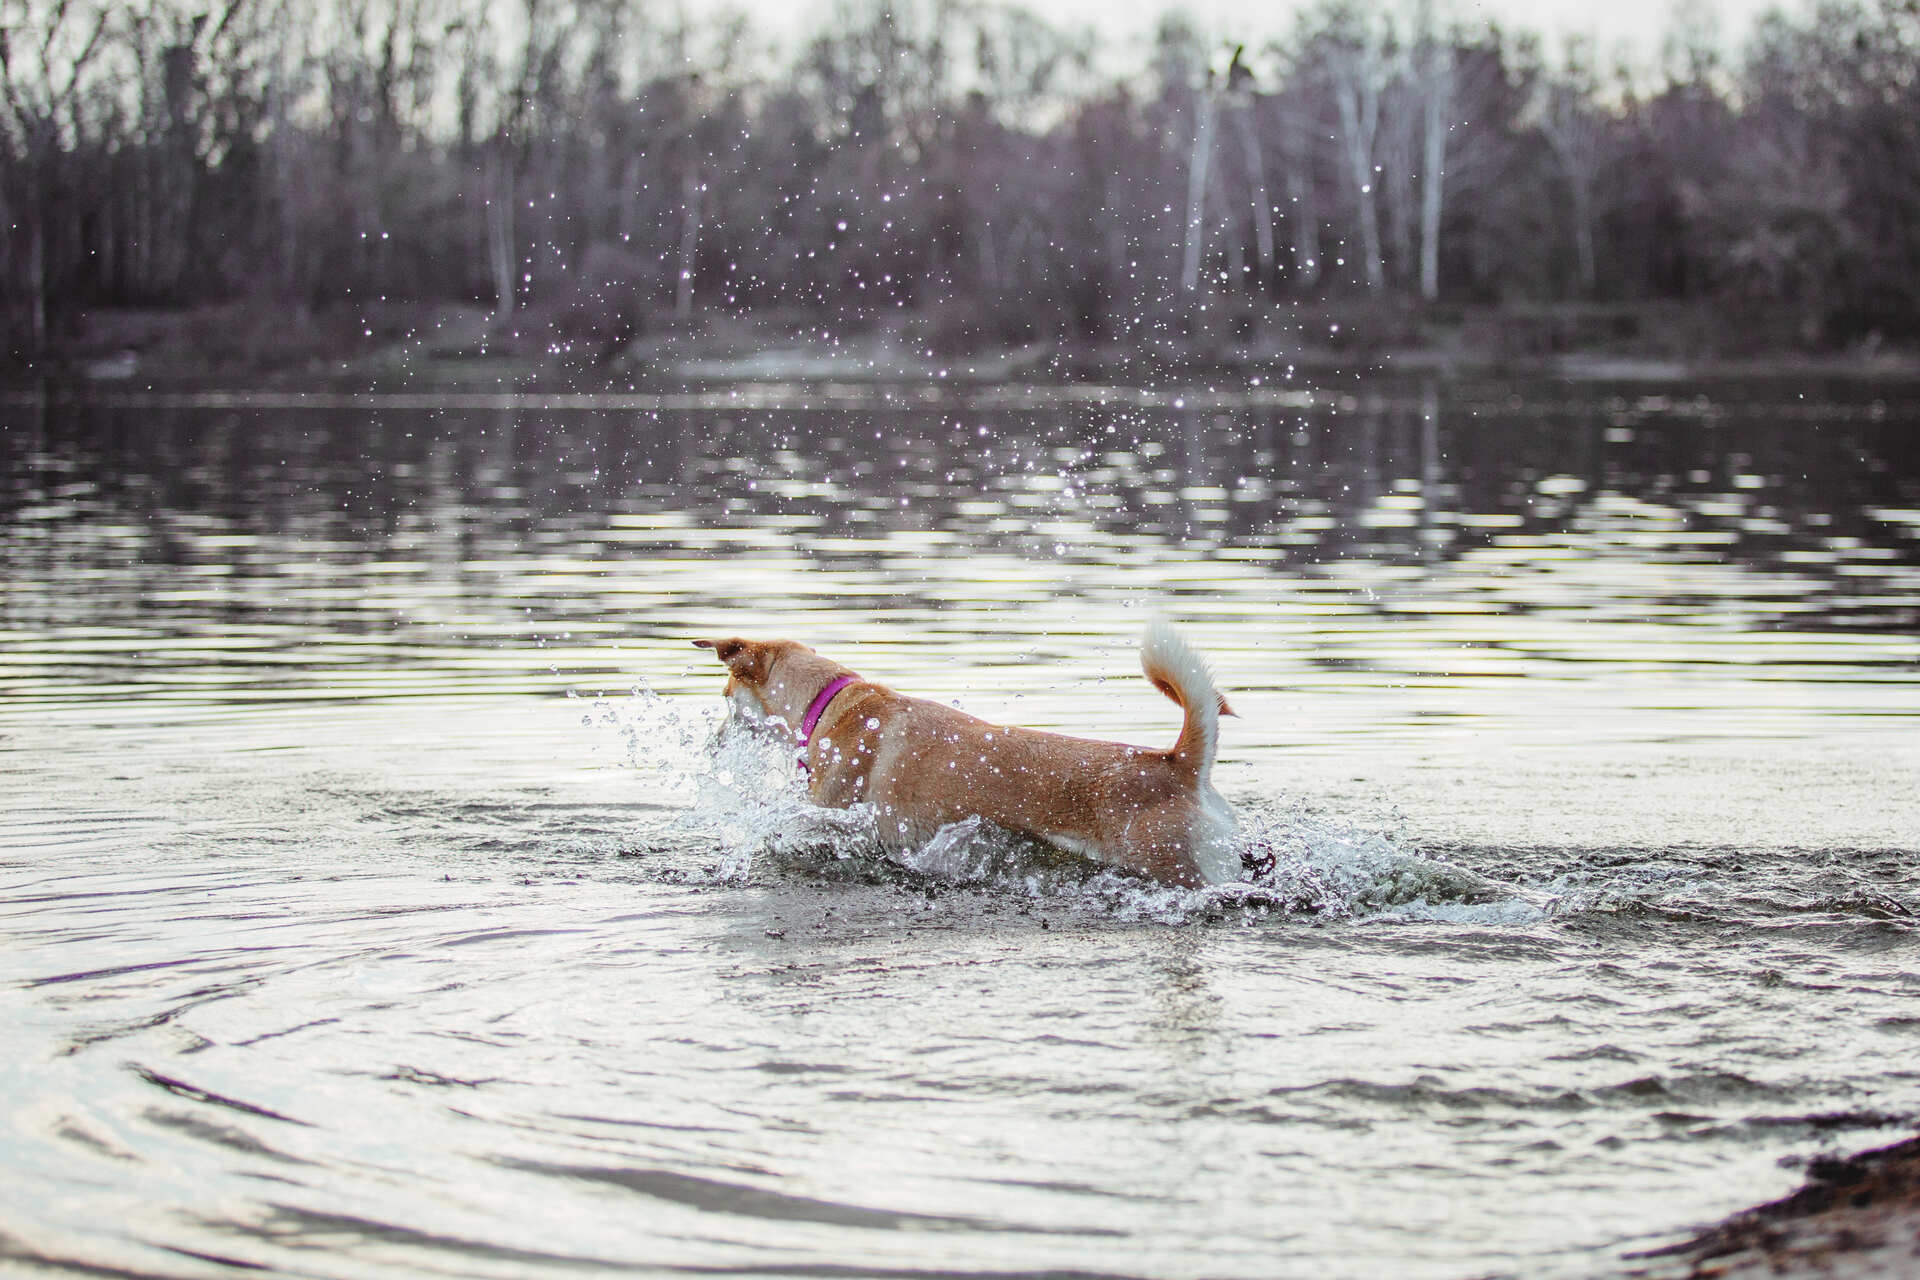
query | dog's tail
(1180,673)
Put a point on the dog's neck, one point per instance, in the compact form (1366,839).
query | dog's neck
(796,676)
(817,708)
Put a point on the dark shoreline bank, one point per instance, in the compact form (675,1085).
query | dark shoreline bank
(425,346)
(1856,1216)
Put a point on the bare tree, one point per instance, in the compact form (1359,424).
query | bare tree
(1244,99)
(1433,67)
(1568,120)
(964,155)
(1199,174)
(1292,111)
(46,54)
(1357,65)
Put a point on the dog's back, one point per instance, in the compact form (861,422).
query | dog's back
(923,765)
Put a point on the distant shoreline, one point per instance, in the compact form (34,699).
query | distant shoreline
(425,345)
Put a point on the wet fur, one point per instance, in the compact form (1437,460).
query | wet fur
(923,765)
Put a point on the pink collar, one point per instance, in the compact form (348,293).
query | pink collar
(816,710)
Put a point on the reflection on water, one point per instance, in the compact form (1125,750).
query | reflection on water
(180,550)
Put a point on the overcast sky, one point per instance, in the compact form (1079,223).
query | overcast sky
(1642,21)
(1637,23)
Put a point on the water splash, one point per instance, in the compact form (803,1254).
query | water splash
(1334,867)
(734,777)
(747,814)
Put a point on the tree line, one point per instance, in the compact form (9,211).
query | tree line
(965,163)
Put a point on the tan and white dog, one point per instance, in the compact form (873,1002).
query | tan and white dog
(923,765)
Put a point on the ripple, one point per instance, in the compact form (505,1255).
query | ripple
(331,924)
(714,1196)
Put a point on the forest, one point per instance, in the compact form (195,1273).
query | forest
(592,171)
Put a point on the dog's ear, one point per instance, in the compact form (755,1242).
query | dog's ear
(746,659)
(722,649)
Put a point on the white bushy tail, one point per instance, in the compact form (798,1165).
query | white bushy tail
(1182,674)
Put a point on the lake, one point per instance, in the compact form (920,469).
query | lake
(374,899)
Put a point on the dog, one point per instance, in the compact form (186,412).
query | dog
(923,765)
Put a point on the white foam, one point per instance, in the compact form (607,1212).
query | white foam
(734,773)
(1341,869)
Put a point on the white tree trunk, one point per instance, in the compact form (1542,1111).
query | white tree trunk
(1306,227)
(37,280)
(500,240)
(1358,97)
(691,189)
(1583,234)
(1262,206)
(1433,167)
(1198,168)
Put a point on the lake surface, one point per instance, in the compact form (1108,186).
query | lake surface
(374,901)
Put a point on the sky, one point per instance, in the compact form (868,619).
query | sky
(1639,21)
(1639,24)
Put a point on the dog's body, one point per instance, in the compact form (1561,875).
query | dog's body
(923,765)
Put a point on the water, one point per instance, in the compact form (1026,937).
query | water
(373,901)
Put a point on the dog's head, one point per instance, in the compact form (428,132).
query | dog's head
(749,662)
(775,679)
